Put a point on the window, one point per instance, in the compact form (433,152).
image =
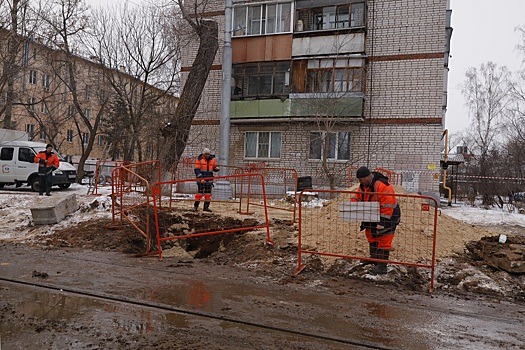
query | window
(339,15)
(100,140)
(31,103)
(85,138)
(46,81)
(32,77)
(338,144)
(263,79)
(30,129)
(262,19)
(26,155)
(88,92)
(7,153)
(43,108)
(69,136)
(86,113)
(335,75)
(262,145)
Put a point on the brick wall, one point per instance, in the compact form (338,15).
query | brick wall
(403,110)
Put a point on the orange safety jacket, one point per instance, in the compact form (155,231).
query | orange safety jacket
(205,167)
(381,191)
(49,159)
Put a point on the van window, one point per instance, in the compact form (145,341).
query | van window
(26,155)
(7,153)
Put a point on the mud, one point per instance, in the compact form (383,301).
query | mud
(63,281)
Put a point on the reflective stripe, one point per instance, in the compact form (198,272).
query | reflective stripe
(389,205)
(386,216)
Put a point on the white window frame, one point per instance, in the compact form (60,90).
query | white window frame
(32,77)
(30,129)
(85,138)
(43,108)
(46,81)
(335,156)
(261,149)
(241,27)
(100,140)
(32,103)
(69,136)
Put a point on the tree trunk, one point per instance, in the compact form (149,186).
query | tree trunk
(177,135)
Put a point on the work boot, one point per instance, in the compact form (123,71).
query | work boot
(373,255)
(207,207)
(196,206)
(48,194)
(379,269)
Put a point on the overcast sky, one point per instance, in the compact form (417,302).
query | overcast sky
(484,30)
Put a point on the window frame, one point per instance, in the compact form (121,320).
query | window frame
(337,153)
(46,81)
(33,77)
(338,16)
(324,76)
(261,17)
(69,136)
(30,129)
(251,78)
(274,140)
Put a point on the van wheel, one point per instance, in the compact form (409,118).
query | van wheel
(64,186)
(35,186)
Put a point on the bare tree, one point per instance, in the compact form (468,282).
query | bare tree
(487,96)
(137,48)
(206,32)
(18,22)
(66,21)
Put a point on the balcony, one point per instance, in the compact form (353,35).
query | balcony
(303,107)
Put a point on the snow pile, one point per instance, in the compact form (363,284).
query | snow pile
(480,216)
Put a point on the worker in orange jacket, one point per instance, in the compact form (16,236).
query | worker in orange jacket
(205,165)
(47,163)
(374,187)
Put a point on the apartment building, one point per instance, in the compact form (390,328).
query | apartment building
(325,86)
(44,107)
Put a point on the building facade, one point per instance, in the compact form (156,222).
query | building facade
(44,105)
(326,86)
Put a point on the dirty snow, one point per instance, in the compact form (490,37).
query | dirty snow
(480,216)
(16,203)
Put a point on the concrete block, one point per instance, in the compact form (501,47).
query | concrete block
(52,210)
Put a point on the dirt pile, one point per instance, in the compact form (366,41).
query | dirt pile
(508,256)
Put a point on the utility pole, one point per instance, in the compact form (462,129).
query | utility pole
(224,141)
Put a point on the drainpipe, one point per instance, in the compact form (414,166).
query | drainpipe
(445,160)
(224,131)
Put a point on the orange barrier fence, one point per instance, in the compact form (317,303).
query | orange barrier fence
(103,171)
(168,213)
(149,170)
(333,230)
(280,184)
(131,194)
(393,177)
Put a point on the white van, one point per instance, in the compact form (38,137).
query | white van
(17,166)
